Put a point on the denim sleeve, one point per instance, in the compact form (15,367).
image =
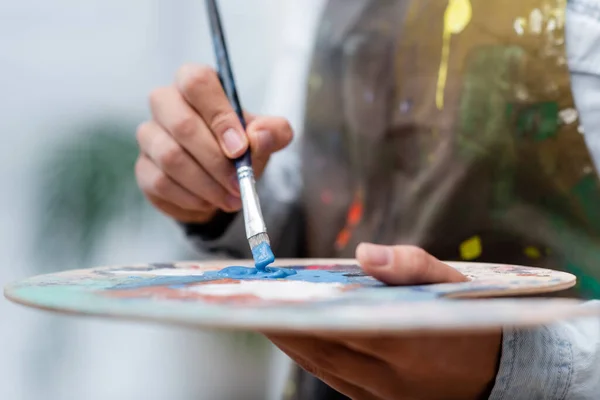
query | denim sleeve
(554,362)
(562,361)
(583,55)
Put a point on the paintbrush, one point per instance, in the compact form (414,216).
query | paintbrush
(256,230)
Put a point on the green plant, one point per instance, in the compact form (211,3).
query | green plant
(86,182)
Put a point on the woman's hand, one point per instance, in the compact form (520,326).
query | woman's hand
(184,167)
(419,367)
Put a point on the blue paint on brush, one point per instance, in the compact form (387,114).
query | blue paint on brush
(263,256)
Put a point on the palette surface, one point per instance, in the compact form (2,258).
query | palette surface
(309,296)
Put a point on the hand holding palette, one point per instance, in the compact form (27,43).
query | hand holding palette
(301,296)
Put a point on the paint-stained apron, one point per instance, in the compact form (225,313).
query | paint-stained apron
(449,125)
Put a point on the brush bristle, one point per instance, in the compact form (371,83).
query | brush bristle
(261,250)
(258,239)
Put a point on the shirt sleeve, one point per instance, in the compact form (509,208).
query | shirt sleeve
(562,360)
(559,361)
(582,37)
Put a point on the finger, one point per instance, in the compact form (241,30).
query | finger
(180,214)
(155,183)
(177,164)
(326,359)
(267,135)
(201,87)
(249,117)
(174,114)
(432,347)
(405,265)
(345,386)
(428,359)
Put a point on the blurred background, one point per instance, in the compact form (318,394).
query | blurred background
(74,80)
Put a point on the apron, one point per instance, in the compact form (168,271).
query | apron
(449,125)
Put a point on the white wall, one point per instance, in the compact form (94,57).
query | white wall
(63,62)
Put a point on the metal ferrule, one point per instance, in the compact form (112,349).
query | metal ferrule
(253,217)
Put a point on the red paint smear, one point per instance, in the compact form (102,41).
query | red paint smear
(342,238)
(149,292)
(326,197)
(355,213)
(348,288)
(166,293)
(221,281)
(237,298)
(316,267)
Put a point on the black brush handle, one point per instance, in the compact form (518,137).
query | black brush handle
(226,73)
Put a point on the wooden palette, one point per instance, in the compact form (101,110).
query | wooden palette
(323,296)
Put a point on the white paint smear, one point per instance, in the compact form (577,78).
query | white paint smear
(273,290)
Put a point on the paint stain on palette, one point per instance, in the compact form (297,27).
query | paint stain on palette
(231,291)
(237,284)
(298,295)
(314,284)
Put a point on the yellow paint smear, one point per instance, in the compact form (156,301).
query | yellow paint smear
(471,248)
(456,18)
(532,252)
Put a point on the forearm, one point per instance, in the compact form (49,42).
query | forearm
(558,361)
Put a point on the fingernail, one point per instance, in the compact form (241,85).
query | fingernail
(265,141)
(234,203)
(374,255)
(234,141)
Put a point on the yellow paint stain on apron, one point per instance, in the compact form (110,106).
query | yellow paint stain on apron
(532,252)
(456,18)
(471,248)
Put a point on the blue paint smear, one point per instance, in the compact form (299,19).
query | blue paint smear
(349,275)
(263,256)
(253,273)
(306,275)
(142,282)
(319,276)
(245,273)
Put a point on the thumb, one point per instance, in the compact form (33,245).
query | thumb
(267,135)
(405,265)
